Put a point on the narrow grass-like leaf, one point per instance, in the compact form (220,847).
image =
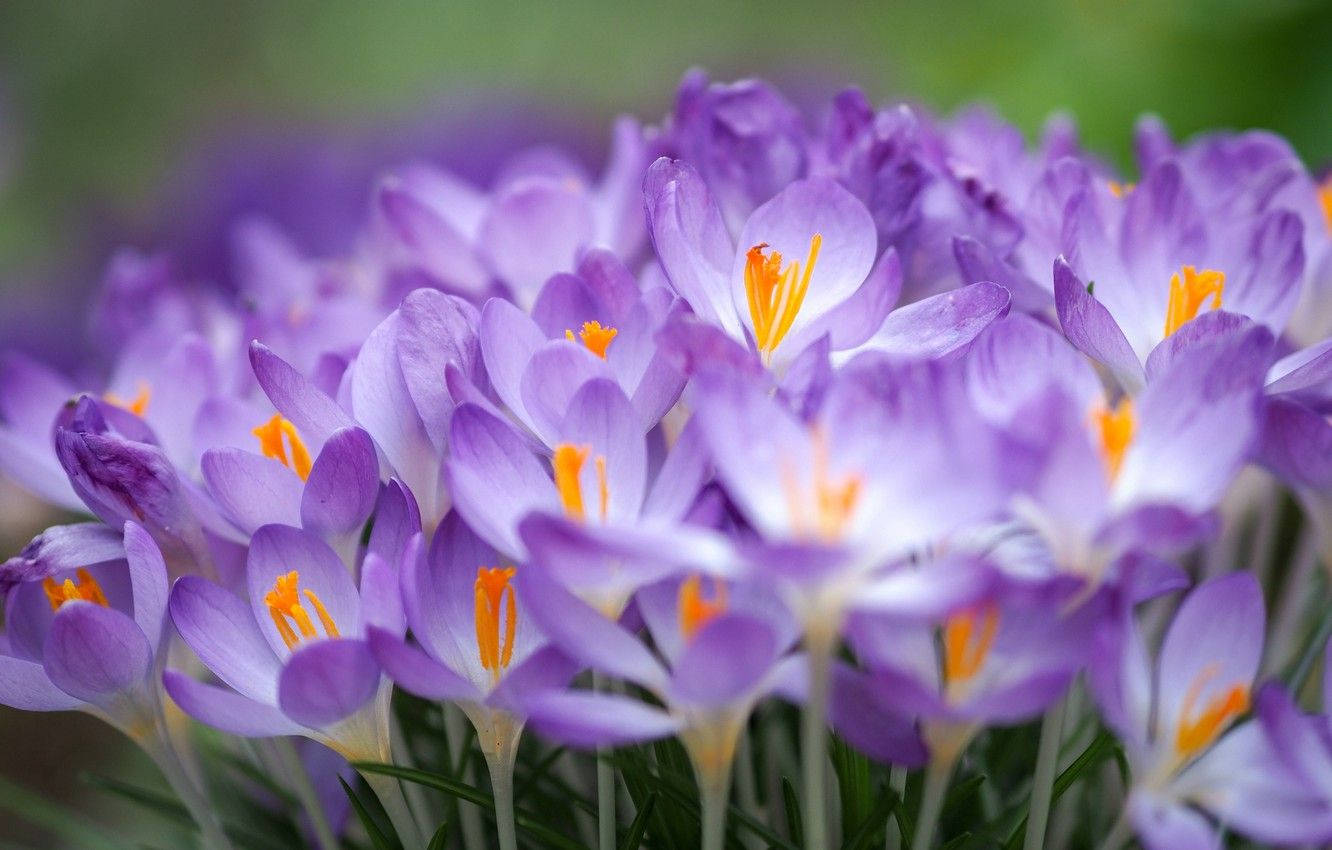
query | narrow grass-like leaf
(59,820)
(440,838)
(876,819)
(377,837)
(791,803)
(633,839)
(1103,746)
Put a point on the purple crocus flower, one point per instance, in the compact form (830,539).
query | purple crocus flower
(531,361)
(830,284)
(541,214)
(723,650)
(31,396)
(1178,723)
(94,638)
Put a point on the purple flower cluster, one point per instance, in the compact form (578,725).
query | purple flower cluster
(889,416)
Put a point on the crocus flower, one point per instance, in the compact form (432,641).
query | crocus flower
(724,649)
(475,645)
(802,267)
(1190,753)
(94,638)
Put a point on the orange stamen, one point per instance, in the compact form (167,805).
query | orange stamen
(138,405)
(833,500)
(1195,732)
(493,590)
(86,590)
(775,294)
(1325,201)
(965,651)
(284,606)
(271,444)
(1115,428)
(695,611)
(1119,190)
(567,464)
(594,337)
(1187,298)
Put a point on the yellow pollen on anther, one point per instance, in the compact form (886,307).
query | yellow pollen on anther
(137,405)
(594,337)
(775,293)
(1119,190)
(567,465)
(695,610)
(1325,201)
(1189,290)
(1115,429)
(271,444)
(494,590)
(86,589)
(833,502)
(284,606)
(1197,729)
(965,646)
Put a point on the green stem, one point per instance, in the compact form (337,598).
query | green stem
(897,780)
(455,734)
(1047,764)
(714,795)
(1118,834)
(298,778)
(605,786)
(820,642)
(501,787)
(163,752)
(931,804)
(745,786)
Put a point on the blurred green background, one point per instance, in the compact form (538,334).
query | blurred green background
(101,104)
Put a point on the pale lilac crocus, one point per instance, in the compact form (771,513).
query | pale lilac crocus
(1190,750)
(95,639)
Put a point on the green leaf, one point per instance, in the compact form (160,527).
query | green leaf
(440,838)
(64,822)
(1091,287)
(962,793)
(852,770)
(377,837)
(871,826)
(791,803)
(1103,746)
(633,839)
(469,794)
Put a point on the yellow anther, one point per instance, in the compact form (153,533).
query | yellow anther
(87,590)
(1115,428)
(138,405)
(1119,190)
(494,590)
(965,646)
(567,464)
(271,444)
(696,611)
(833,502)
(1194,732)
(594,337)
(1188,295)
(775,294)
(284,606)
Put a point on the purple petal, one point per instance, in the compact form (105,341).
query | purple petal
(1165,825)
(565,303)
(601,418)
(494,478)
(277,550)
(396,520)
(687,467)
(860,717)
(93,652)
(692,242)
(24,685)
(381,595)
(509,338)
(1017,358)
(343,485)
(587,720)
(315,415)
(533,230)
(724,662)
(1307,369)
(222,631)
(60,548)
(228,710)
(1296,444)
(860,316)
(941,324)
(436,330)
(1214,644)
(252,490)
(1090,327)
(417,672)
(553,376)
(327,681)
(148,578)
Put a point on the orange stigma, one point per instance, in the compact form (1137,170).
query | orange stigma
(1119,190)
(270,436)
(567,464)
(595,338)
(695,611)
(1195,731)
(965,646)
(86,590)
(1187,298)
(138,405)
(1325,201)
(833,502)
(1115,428)
(494,591)
(284,603)
(775,294)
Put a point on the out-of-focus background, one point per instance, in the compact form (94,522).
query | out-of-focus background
(147,123)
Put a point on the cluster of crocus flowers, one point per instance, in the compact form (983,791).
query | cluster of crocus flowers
(890,418)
